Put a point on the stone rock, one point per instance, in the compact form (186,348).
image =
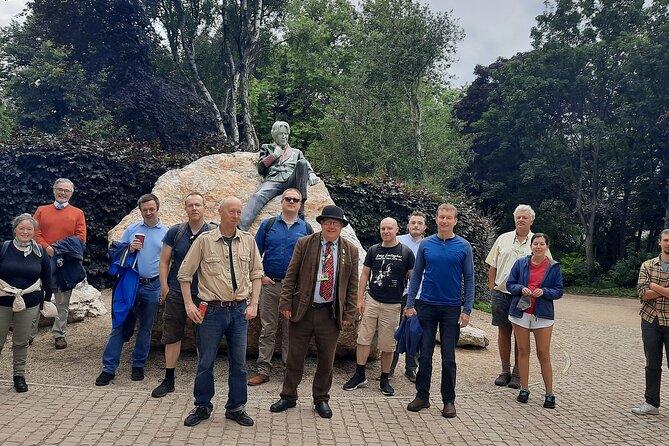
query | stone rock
(85,301)
(216,177)
(471,336)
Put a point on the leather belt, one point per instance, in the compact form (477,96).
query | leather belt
(276,280)
(146,281)
(224,303)
(318,306)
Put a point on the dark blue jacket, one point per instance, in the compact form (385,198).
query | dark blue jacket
(408,335)
(551,284)
(67,263)
(124,266)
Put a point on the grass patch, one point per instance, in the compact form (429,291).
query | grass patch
(607,292)
(483,306)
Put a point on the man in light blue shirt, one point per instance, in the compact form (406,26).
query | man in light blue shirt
(146,239)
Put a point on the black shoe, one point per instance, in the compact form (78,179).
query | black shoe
(514,382)
(411,375)
(20,384)
(241,417)
(137,374)
(355,382)
(199,413)
(163,389)
(386,388)
(323,409)
(104,379)
(549,401)
(503,379)
(281,405)
(523,396)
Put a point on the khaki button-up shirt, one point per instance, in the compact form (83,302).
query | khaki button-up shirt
(209,258)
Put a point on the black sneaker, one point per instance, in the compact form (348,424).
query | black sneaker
(386,388)
(137,374)
(549,401)
(523,396)
(355,382)
(241,417)
(199,413)
(104,379)
(163,389)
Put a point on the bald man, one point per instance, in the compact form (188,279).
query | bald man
(225,260)
(387,267)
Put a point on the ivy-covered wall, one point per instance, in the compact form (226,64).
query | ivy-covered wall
(108,179)
(110,176)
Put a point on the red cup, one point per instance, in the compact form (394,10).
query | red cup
(140,238)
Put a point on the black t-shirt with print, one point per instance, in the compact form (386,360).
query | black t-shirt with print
(389,272)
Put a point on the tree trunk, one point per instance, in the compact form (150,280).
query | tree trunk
(188,44)
(232,75)
(250,22)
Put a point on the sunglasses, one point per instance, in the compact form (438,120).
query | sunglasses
(292,200)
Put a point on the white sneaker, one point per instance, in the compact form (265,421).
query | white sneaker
(645,409)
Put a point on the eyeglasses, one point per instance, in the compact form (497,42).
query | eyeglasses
(291,200)
(60,189)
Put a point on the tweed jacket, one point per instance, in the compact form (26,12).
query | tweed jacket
(299,284)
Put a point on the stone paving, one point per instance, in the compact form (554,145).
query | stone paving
(599,377)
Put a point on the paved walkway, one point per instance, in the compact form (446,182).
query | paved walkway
(599,375)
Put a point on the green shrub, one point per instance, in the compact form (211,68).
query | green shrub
(625,272)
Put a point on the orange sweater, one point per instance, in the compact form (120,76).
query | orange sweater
(57,224)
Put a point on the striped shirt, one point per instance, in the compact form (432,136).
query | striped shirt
(651,271)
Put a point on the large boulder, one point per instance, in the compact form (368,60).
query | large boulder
(216,177)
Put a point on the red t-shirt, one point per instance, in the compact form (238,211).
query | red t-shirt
(536,276)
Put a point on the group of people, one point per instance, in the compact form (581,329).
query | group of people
(307,282)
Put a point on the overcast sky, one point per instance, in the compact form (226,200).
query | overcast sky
(493,28)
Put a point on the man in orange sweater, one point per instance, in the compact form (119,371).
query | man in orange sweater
(58,221)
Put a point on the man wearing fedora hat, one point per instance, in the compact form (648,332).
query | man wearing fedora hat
(319,298)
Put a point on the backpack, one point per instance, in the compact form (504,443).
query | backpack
(272,220)
(182,230)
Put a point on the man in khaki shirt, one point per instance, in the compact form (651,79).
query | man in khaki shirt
(225,260)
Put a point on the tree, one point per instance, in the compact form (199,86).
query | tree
(574,120)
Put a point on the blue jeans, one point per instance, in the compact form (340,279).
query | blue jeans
(146,308)
(270,189)
(446,318)
(655,341)
(218,322)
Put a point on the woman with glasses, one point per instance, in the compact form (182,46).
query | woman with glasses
(535,282)
(25,274)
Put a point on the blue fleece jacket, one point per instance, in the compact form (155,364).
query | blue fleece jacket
(551,284)
(440,267)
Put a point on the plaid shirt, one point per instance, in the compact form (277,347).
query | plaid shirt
(651,271)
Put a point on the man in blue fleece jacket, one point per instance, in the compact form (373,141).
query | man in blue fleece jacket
(443,260)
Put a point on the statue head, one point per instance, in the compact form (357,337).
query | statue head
(280,133)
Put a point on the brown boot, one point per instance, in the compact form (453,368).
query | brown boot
(258,379)
(418,404)
(449,410)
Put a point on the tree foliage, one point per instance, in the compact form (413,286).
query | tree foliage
(572,126)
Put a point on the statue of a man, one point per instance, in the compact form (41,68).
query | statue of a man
(283,167)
